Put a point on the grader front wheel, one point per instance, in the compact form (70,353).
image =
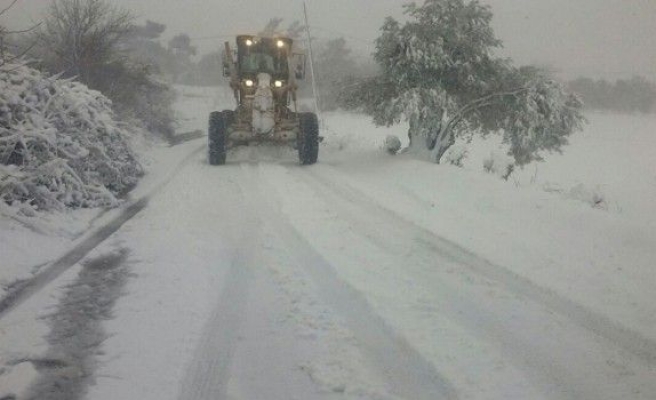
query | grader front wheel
(216,135)
(308,139)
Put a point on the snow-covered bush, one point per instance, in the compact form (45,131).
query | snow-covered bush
(593,196)
(499,164)
(139,96)
(60,143)
(392,144)
(457,155)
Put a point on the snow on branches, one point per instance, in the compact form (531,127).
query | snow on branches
(538,118)
(60,145)
(439,73)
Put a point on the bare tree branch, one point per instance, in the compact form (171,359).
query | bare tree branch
(80,35)
(480,103)
(28,30)
(4,32)
(4,10)
(8,60)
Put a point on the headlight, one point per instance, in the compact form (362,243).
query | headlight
(278,84)
(249,83)
(280,44)
(249,42)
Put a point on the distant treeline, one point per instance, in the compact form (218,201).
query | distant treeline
(625,95)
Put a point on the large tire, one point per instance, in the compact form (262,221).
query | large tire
(308,138)
(217,132)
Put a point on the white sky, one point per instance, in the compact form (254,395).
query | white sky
(601,38)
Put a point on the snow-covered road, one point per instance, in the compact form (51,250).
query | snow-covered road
(362,277)
(262,279)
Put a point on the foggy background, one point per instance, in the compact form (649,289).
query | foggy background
(608,39)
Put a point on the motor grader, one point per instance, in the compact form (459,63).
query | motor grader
(263,74)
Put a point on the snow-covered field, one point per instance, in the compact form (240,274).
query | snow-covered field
(366,276)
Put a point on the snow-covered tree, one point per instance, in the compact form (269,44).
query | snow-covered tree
(88,40)
(144,45)
(182,50)
(274,27)
(208,70)
(151,30)
(637,94)
(333,63)
(439,72)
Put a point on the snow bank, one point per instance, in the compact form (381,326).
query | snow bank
(611,166)
(60,145)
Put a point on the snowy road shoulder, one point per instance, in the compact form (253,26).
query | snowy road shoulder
(43,282)
(108,223)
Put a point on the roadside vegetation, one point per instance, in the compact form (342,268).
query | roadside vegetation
(439,73)
(634,95)
(73,100)
(89,40)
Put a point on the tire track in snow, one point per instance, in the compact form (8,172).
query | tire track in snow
(32,286)
(244,350)
(409,375)
(254,347)
(640,346)
(208,375)
(455,303)
(559,357)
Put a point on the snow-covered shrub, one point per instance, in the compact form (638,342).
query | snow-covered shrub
(392,144)
(499,165)
(138,95)
(457,155)
(61,143)
(593,196)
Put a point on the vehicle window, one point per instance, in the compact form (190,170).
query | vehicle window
(261,62)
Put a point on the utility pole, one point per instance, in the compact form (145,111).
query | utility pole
(315,91)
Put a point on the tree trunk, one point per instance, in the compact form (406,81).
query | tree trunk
(444,143)
(414,138)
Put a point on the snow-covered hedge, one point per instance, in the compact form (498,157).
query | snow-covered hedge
(60,145)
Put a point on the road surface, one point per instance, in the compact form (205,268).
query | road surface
(313,289)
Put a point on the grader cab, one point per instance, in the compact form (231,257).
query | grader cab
(263,74)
